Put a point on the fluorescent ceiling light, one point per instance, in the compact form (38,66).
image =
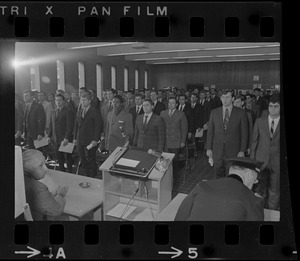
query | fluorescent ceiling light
(246,60)
(193,57)
(101,45)
(173,51)
(273,53)
(146,59)
(273,59)
(118,54)
(234,55)
(233,47)
(168,62)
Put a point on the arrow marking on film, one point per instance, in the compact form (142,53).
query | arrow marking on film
(32,253)
(175,253)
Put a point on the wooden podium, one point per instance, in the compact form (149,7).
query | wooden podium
(134,200)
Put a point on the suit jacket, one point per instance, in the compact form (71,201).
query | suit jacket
(215,102)
(224,199)
(176,128)
(113,132)
(159,107)
(19,114)
(95,102)
(262,104)
(105,109)
(234,138)
(262,147)
(132,111)
(89,128)
(207,110)
(153,136)
(197,116)
(127,107)
(61,125)
(36,121)
(188,114)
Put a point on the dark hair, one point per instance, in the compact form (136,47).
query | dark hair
(257,89)
(173,98)
(195,94)
(153,91)
(242,97)
(224,92)
(92,91)
(275,98)
(148,100)
(51,94)
(60,95)
(119,97)
(111,90)
(86,95)
(130,91)
(139,95)
(182,95)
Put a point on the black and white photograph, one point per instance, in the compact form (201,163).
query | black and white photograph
(147,131)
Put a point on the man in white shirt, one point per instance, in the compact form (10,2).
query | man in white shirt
(149,130)
(265,146)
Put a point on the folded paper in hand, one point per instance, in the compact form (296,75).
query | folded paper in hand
(199,133)
(41,143)
(68,148)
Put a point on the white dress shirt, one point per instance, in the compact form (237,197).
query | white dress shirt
(276,121)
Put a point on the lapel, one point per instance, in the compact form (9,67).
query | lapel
(277,129)
(116,119)
(220,116)
(266,126)
(151,119)
(231,117)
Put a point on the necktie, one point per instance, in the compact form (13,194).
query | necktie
(180,107)
(57,113)
(137,110)
(171,113)
(145,121)
(272,129)
(226,118)
(83,113)
(110,106)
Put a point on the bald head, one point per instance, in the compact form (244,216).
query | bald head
(34,164)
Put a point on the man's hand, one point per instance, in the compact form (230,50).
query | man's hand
(23,136)
(65,142)
(182,144)
(94,143)
(62,191)
(248,151)
(75,141)
(189,135)
(205,126)
(241,154)
(39,137)
(49,140)
(209,153)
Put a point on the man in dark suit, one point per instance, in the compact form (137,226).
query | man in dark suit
(119,128)
(95,102)
(87,130)
(227,199)
(61,130)
(183,106)
(197,113)
(265,147)
(130,101)
(158,106)
(227,134)
(260,101)
(149,132)
(215,100)
(34,120)
(138,109)
(176,126)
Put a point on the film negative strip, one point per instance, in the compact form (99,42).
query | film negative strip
(67,45)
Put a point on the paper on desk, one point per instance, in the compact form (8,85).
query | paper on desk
(145,215)
(68,148)
(118,210)
(199,133)
(128,162)
(41,143)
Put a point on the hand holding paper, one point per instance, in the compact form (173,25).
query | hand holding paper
(41,143)
(67,148)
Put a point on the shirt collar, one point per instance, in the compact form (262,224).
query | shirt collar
(229,109)
(275,120)
(149,115)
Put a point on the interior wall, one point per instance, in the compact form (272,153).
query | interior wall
(233,75)
(46,54)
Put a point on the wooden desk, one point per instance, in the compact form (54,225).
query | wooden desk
(79,201)
(169,212)
(118,191)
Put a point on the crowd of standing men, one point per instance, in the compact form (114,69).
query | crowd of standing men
(234,125)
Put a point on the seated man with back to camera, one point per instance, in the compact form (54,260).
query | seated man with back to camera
(226,199)
(43,204)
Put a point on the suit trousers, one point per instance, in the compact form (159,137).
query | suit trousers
(220,166)
(30,142)
(61,160)
(88,160)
